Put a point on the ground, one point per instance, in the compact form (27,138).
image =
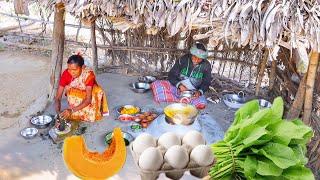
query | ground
(40,158)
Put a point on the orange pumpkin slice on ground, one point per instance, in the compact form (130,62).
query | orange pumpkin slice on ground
(94,165)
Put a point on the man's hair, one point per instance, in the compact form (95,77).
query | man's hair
(201,46)
(76,59)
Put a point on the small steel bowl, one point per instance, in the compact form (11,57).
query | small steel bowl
(187,94)
(264,103)
(147,79)
(139,87)
(127,137)
(42,121)
(29,132)
(234,101)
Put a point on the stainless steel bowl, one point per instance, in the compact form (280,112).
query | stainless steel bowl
(139,87)
(42,121)
(29,132)
(127,137)
(147,79)
(187,94)
(234,101)
(180,113)
(264,103)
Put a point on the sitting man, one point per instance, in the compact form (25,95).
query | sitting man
(192,72)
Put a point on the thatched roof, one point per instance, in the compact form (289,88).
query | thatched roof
(263,23)
(266,23)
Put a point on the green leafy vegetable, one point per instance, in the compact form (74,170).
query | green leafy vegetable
(261,145)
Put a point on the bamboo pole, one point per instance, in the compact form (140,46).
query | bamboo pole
(261,71)
(312,71)
(297,104)
(57,49)
(272,75)
(94,47)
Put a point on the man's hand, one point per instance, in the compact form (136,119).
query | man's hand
(182,88)
(197,94)
(66,113)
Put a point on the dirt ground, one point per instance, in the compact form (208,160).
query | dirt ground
(25,78)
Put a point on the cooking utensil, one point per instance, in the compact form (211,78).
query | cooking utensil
(139,87)
(127,137)
(264,103)
(66,130)
(180,113)
(29,132)
(186,94)
(147,79)
(42,121)
(235,101)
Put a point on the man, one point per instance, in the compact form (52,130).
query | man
(192,72)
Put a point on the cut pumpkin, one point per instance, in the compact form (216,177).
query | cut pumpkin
(94,165)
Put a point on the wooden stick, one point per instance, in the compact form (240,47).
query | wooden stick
(57,49)
(297,104)
(312,70)
(38,20)
(94,46)
(78,31)
(261,71)
(272,74)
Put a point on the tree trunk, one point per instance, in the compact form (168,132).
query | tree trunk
(312,71)
(94,47)
(297,104)
(57,49)
(261,71)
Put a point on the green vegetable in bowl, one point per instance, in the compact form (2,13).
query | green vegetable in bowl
(261,145)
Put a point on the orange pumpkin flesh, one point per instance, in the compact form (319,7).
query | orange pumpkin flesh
(94,165)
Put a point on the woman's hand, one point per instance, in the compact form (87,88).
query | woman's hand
(182,88)
(197,94)
(66,113)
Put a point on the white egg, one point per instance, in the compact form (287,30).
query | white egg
(142,142)
(202,155)
(151,159)
(177,157)
(193,139)
(169,139)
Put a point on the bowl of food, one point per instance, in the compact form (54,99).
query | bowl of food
(29,132)
(42,121)
(127,137)
(139,87)
(63,128)
(147,79)
(180,113)
(128,109)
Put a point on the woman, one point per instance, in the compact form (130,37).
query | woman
(86,99)
(191,72)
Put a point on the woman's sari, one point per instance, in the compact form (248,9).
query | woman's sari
(76,93)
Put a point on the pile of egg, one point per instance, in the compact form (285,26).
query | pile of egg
(171,151)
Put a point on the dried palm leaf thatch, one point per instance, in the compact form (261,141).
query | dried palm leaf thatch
(293,24)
